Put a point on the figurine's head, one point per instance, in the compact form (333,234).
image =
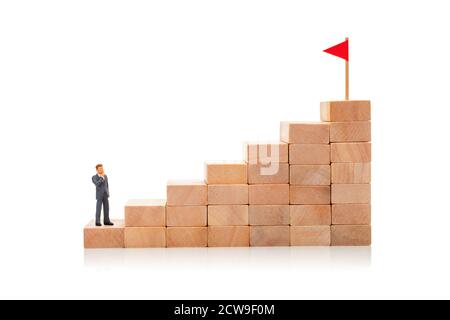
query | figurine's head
(99,169)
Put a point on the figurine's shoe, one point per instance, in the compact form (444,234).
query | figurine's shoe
(98,224)
(109,224)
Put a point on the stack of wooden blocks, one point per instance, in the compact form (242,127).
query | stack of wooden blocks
(268,168)
(227,204)
(187,203)
(351,155)
(310,179)
(310,189)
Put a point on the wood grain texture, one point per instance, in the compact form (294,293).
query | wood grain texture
(269,236)
(310,215)
(187,216)
(187,193)
(356,131)
(310,195)
(305,132)
(311,236)
(340,111)
(269,194)
(350,193)
(145,237)
(351,214)
(310,175)
(351,173)
(187,237)
(226,172)
(104,237)
(227,194)
(309,154)
(351,235)
(257,176)
(145,213)
(229,215)
(269,215)
(358,152)
(228,236)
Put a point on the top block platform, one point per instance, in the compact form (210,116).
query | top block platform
(223,172)
(305,132)
(145,213)
(187,193)
(342,111)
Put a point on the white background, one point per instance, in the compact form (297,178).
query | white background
(154,88)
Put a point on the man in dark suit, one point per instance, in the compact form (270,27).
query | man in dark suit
(102,193)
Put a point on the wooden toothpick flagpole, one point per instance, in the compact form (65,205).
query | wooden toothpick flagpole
(347,78)
(341,51)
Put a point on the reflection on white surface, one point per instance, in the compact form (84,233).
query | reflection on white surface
(258,258)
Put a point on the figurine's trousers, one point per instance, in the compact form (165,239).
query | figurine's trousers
(104,201)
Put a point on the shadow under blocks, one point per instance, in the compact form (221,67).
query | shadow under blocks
(310,188)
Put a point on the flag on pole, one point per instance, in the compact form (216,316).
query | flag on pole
(341,50)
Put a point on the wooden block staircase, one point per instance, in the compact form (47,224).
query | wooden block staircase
(310,189)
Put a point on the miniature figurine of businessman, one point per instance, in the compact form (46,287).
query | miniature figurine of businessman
(102,193)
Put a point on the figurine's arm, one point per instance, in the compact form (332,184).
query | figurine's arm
(97,181)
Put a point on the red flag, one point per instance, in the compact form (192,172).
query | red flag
(340,50)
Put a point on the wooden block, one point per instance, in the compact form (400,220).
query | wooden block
(311,215)
(269,215)
(309,154)
(104,237)
(351,235)
(350,193)
(311,236)
(345,111)
(226,172)
(187,237)
(357,152)
(265,194)
(351,214)
(229,236)
(305,132)
(145,237)
(310,175)
(277,173)
(356,131)
(266,153)
(187,216)
(230,215)
(187,193)
(145,213)
(351,172)
(269,236)
(227,194)
(310,195)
